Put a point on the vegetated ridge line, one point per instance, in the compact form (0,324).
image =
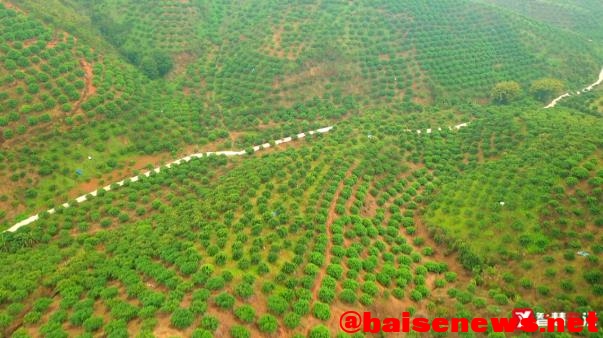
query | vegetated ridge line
(228,153)
(586,89)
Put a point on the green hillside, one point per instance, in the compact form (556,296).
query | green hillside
(578,16)
(444,188)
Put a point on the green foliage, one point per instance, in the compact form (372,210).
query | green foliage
(320,331)
(225,300)
(593,277)
(322,311)
(505,92)
(245,313)
(182,318)
(292,320)
(122,310)
(250,227)
(210,323)
(93,324)
(277,304)
(267,324)
(238,331)
(545,89)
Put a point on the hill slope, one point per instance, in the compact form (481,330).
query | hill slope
(392,210)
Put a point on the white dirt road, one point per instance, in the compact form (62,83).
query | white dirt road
(586,89)
(228,153)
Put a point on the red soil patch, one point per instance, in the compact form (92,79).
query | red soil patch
(277,50)
(52,43)
(72,331)
(9,5)
(90,89)
(370,206)
(181,61)
(34,330)
(29,42)
(134,327)
(186,301)
(18,321)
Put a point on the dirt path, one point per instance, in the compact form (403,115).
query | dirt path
(228,153)
(89,88)
(330,219)
(438,252)
(431,130)
(179,161)
(586,89)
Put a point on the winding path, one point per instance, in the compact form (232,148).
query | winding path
(430,130)
(228,153)
(586,89)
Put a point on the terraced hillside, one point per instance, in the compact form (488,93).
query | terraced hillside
(263,54)
(54,89)
(63,102)
(393,209)
(332,223)
(258,55)
(257,69)
(578,16)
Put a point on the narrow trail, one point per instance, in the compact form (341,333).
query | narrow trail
(185,159)
(430,130)
(330,219)
(89,88)
(586,89)
(228,153)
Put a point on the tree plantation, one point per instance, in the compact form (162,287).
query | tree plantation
(444,188)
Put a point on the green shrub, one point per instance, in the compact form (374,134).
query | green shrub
(245,313)
(268,324)
(292,320)
(326,295)
(277,304)
(322,311)
(347,296)
(416,296)
(210,323)
(238,331)
(302,307)
(225,300)
(93,324)
(320,331)
(182,318)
